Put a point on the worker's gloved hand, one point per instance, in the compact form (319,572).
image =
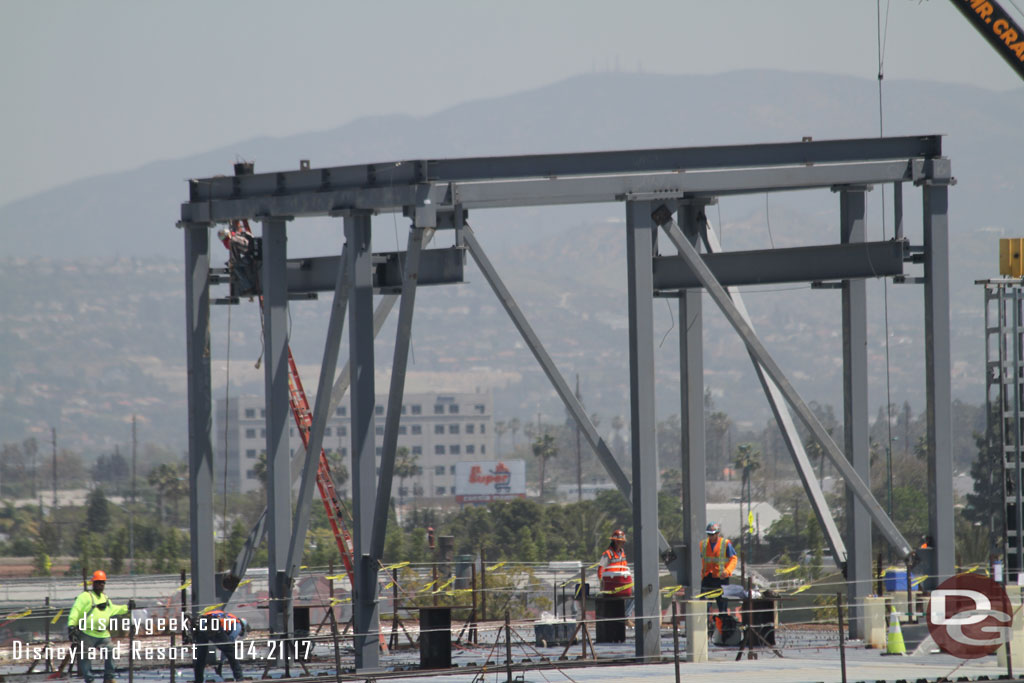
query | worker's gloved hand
(74,633)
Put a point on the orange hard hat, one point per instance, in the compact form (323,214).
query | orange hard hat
(99,575)
(618,535)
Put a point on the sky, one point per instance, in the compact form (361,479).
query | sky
(109,85)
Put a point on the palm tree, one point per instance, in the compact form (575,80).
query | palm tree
(170,484)
(514,426)
(405,467)
(500,427)
(544,448)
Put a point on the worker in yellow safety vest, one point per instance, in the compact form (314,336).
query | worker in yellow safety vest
(88,621)
(718,561)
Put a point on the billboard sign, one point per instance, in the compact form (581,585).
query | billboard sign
(482,482)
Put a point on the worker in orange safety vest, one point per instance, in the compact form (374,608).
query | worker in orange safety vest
(718,561)
(614,558)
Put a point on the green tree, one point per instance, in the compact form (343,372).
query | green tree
(544,449)
(984,508)
(672,483)
(97,515)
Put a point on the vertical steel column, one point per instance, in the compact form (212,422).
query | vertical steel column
(275,374)
(359,253)
(200,411)
(691,390)
(937,371)
(855,411)
(640,230)
(1018,513)
(410,278)
(321,413)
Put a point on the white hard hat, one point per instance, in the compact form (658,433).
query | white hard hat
(224,233)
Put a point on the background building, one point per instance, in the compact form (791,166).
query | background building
(439,429)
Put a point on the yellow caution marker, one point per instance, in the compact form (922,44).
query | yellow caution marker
(894,638)
(714,593)
(787,570)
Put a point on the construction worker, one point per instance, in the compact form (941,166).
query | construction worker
(220,629)
(87,622)
(242,247)
(718,560)
(614,559)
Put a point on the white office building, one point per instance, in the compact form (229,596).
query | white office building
(439,429)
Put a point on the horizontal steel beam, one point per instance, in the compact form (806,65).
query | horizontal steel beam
(317,274)
(573,190)
(390,174)
(799,264)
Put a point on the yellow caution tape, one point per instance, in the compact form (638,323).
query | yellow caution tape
(714,593)
(335,601)
(185,585)
(243,583)
(336,577)
(445,585)
(302,566)
(787,570)
(919,581)
(499,565)
(594,565)
(461,591)
(621,588)
(427,586)
(18,615)
(213,607)
(397,565)
(801,589)
(750,520)
(671,589)
(388,585)
(569,582)
(54,620)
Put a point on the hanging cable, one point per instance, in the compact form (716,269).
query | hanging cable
(227,405)
(768,220)
(881,35)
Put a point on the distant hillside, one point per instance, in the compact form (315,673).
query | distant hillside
(93,330)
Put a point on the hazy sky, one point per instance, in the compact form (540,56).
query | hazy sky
(105,85)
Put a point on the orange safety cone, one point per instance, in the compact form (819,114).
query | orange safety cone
(894,638)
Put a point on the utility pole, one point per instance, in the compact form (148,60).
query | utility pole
(53,440)
(131,511)
(579,457)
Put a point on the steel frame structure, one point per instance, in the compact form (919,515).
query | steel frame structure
(653,185)
(1004,392)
